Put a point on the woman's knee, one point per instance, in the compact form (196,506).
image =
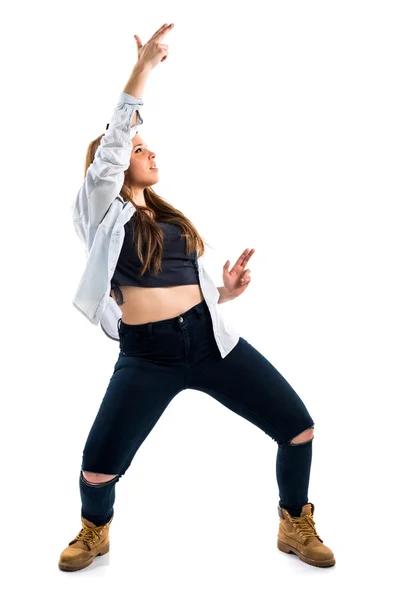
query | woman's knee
(303,437)
(97,477)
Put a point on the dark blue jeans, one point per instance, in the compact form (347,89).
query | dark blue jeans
(158,360)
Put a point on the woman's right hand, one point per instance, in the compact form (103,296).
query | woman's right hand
(153,51)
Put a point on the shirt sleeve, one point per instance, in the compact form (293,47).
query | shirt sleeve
(105,176)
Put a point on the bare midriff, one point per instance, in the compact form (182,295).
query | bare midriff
(147,305)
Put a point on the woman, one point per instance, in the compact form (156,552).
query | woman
(146,284)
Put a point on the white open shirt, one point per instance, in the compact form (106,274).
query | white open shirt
(99,214)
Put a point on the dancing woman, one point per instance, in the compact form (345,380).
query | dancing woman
(147,286)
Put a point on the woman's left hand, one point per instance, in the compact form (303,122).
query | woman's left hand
(237,280)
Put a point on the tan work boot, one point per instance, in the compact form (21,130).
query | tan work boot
(90,542)
(298,535)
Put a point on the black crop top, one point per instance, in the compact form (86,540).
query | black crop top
(178,268)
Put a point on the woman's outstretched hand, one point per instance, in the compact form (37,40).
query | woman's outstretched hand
(237,280)
(153,51)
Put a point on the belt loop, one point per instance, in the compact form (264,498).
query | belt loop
(150,329)
(198,311)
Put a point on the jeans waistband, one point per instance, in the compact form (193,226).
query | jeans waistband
(199,310)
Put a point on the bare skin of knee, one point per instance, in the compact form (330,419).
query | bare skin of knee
(97,477)
(305,436)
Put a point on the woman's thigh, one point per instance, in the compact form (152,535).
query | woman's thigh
(137,395)
(248,384)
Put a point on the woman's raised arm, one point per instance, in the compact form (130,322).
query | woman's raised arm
(105,175)
(149,55)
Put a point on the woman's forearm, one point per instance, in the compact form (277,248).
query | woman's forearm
(136,84)
(137,81)
(224,296)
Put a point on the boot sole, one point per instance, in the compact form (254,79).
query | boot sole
(68,567)
(329,562)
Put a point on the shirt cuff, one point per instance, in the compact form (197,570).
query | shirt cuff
(125,98)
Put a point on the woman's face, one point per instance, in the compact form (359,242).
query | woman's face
(142,159)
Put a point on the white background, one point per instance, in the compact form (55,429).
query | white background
(276,127)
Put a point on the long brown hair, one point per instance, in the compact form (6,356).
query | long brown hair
(148,233)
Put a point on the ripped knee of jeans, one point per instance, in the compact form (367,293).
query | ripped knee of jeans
(102,483)
(305,437)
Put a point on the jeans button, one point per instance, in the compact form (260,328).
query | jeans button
(180,319)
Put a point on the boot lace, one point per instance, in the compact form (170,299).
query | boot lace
(89,535)
(304,526)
